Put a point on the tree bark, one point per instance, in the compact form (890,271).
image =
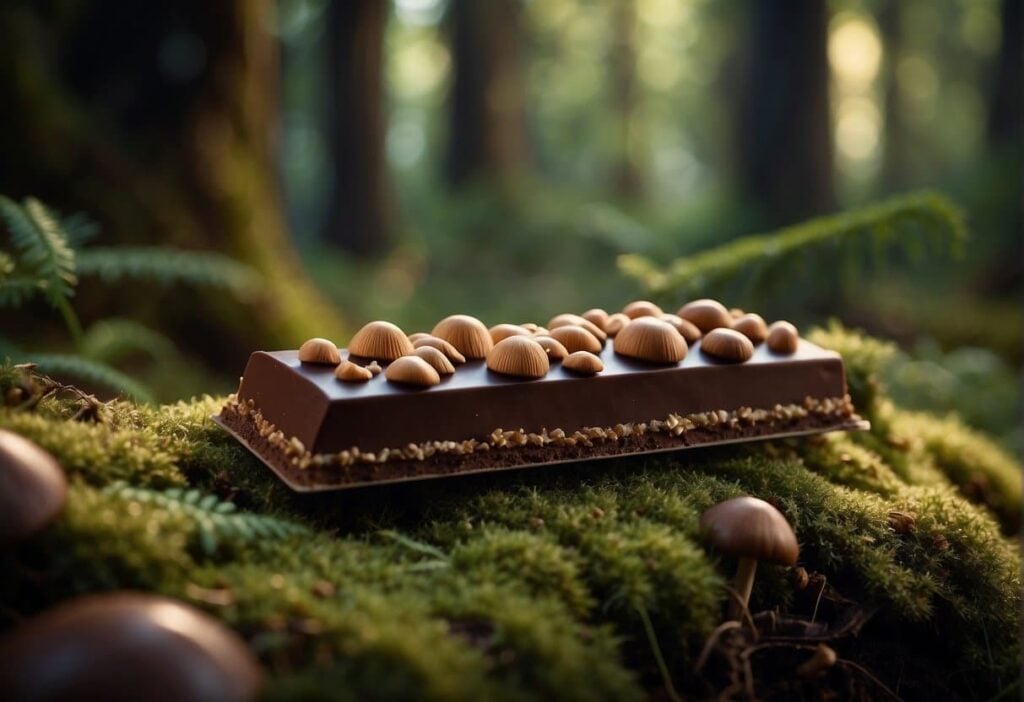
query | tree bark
(1006,113)
(487,136)
(627,180)
(785,138)
(359,220)
(895,173)
(160,122)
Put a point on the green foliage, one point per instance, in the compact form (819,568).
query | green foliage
(848,242)
(43,249)
(216,521)
(111,340)
(93,373)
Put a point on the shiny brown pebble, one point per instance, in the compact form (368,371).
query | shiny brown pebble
(127,646)
(706,314)
(32,488)
(783,338)
(752,326)
(727,345)
(583,362)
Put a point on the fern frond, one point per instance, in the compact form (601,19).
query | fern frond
(911,224)
(79,229)
(110,340)
(42,247)
(16,289)
(6,265)
(92,372)
(216,521)
(168,266)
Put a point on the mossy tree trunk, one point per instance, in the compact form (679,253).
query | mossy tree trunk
(359,220)
(160,121)
(487,136)
(784,126)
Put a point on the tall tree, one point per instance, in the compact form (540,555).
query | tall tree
(895,164)
(627,180)
(785,140)
(160,120)
(1006,113)
(487,136)
(359,220)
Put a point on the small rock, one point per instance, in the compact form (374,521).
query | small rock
(32,488)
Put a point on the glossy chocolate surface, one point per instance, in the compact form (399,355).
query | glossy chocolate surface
(306,401)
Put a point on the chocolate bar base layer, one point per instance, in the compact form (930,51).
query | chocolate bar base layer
(306,472)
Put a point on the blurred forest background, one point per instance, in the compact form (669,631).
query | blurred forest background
(344,160)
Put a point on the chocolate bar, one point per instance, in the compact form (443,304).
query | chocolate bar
(323,423)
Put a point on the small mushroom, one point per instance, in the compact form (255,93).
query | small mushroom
(531,327)
(597,317)
(374,368)
(382,341)
(412,370)
(520,357)
(727,345)
(565,320)
(124,646)
(441,345)
(32,488)
(823,658)
(651,339)
(752,530)
(504,331)
(436,359)
(615,323)
(319,351)
(553,347)
(687,329)
(575,338)
(583,362)
(642,308)
(736,312)
(349,372)
(752,326)
(465,333)
(783,338)
(706,314)
(416,336)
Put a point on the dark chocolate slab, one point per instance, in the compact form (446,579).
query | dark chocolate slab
(308,402)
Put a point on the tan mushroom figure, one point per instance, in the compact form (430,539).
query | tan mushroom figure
(752,530)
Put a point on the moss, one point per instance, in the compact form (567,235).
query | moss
(532,584)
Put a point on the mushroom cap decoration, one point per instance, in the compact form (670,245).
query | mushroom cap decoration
(751,528)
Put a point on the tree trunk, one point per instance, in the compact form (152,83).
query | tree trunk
(895,163)
(1006,113)
(785,143)
(487,122)
(160,121)
(627,181)
(359,220)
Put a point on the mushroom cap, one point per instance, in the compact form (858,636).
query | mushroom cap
(727,345)
(597,317)
(615,323)
(380,340)
(317,350)
(575,339)
(687,329)
(350,372)
(752,326)
(642,308)
(520,357)
(441,345)
(583,362)
(504,331)
(412,370)
(465,333)
(706,314)
(651,339)
(783,338)
(127,646)
(553,347)
(567,319)
(437,359)
(32,488)
(750,528)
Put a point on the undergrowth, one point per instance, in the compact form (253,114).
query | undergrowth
(567,583)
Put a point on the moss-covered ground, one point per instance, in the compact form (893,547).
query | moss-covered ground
(565,583)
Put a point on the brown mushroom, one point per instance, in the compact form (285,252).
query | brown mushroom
(504,331)
(651,339)
(583,362)
(441,345)
(320,351)
(752,326)
(412,370)
(615,323)
(687,329)
(32,488)
(520,357)
(575,338)
(349,372)
(574,320)
(596,316)
(553,347)
(727,345)
(465,333)
(752,530)
(783,338)
(437,359)
(380,340)
(127,646)
(706,314)
(642,308)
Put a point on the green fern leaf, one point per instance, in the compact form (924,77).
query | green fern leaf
(911,224)
(89,371)
(111,340)
(42,247)
(168,266)
(15,290)
(79,229)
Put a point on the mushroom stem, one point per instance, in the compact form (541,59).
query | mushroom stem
(743,583)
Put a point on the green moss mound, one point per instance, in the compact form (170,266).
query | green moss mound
(585,582)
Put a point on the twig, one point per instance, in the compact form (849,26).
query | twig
(824,582)
(656,649)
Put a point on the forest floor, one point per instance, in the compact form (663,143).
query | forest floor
(587,582)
